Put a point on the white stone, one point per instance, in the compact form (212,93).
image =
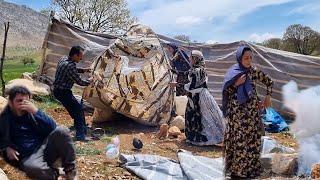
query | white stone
(36,88)
(179,122)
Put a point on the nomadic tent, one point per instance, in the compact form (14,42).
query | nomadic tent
(280,65)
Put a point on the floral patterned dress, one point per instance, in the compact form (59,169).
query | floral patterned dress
(244,129)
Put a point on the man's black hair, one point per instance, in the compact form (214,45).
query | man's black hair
(15,90)
(75,50)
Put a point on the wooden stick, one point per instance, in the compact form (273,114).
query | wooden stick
(6,29)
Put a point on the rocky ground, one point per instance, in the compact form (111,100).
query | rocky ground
(92,163)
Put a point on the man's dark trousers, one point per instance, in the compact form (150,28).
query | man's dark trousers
(74,109)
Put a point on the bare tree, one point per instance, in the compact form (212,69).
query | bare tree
(182,37)
(273,43)
(300,39)
(96,15)
(6,29)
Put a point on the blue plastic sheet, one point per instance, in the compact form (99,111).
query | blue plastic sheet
(273,121)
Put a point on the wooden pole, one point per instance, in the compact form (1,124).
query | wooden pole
(6,29)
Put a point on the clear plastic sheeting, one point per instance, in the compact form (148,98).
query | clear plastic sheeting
(154,167)
(270,145)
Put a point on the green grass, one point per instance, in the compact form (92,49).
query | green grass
(13,69)
(13,65)
(46,102)
(87,150)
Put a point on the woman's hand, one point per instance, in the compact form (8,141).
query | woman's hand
(267,101)
(240,80)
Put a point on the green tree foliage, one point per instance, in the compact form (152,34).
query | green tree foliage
(112,16)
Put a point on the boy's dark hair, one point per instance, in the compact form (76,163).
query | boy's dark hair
(75,50)
(15,90)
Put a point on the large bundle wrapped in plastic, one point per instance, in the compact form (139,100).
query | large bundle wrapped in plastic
(132,77)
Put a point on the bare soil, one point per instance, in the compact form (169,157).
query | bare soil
(92,163)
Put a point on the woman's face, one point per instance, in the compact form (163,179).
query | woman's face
(192,61)
(246,59)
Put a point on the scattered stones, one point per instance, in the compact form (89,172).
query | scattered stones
(163,132)
(126,173)
(182,137)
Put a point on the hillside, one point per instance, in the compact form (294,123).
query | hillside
(27,26)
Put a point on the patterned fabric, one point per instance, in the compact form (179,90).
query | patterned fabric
(244,91)
(244,129)
(179,63)
(67,75)
(181,66)
(204,122)
(182,79)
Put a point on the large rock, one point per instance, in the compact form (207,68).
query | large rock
(174,131)
(3,103)
(285,164)
(3,175)
(181,104)
(35,87)
(179,122)
(281,164)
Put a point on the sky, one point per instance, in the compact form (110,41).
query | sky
(220,21)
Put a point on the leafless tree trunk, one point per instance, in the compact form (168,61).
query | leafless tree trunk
(6,29)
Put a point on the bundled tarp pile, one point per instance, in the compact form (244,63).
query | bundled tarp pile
(131,72)
(280,65)
(132,77)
